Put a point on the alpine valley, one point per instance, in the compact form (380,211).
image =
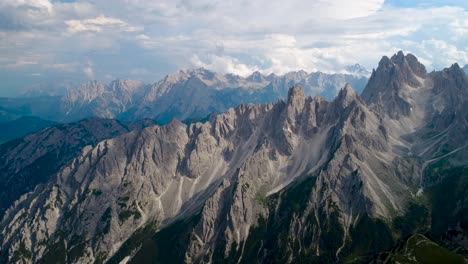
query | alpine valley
(374,177)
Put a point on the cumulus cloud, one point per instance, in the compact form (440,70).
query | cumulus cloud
(24,14)
(223,64)
(148,39)
(435,52)
(98,24)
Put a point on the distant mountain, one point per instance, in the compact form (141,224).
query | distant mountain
(44,107)
(197,93)
(300,180)
(358,70)
(184,95)
(21,127)
(94,99)
(50,89)
(465,69)
(7,116)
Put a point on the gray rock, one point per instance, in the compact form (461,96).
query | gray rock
(349,159)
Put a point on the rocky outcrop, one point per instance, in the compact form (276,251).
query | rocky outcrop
(389,85)
(32,160)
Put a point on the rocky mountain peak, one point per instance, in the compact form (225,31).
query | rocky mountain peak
(456,73)
(452,79)
(175,77)
(456,69)
(296,75)
(86,92)
(120,84)
(92,85)
(388,84)
(296,94)
(385,62)
(295,103)
(347,89)
(346,96)
(347,92)
(398,58)
(417,67)
(256,77)
(271,76)
(357,69)
(204,73)
(408,64)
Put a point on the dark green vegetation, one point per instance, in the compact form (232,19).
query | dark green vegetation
(368,237)
(449,208)
(272,241)
(56,253)
(124,215)
(22,253)
(444,220)
(21,127)
(272,235)
(104,221)
(166,246)
(419,249)
(416,219)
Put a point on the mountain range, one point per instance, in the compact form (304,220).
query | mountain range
(378,177)
(186,95)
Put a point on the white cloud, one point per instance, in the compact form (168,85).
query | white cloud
(88,71)
(344,9)
(223,64)
(436,52)
(19,14)
(459,26)
(150,38)
(98,24)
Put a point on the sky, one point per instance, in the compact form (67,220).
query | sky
(45,41)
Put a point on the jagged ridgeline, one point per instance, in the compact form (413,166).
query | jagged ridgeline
(377,178)
(185,95)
